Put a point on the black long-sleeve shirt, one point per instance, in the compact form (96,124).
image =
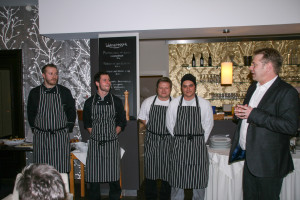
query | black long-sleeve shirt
(67,101)
(119,109)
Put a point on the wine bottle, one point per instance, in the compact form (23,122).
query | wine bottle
(201,60)
(209,60)
(193,61)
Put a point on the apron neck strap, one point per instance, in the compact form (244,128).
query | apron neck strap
(170,99)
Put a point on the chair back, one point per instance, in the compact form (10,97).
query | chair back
(85,135)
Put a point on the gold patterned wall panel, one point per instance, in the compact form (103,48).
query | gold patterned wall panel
(208,78)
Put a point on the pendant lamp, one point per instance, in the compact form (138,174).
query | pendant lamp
(226,65)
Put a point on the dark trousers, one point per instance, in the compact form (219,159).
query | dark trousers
(151,190)
(258,188)
(114,191)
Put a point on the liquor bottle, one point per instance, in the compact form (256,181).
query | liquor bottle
(193,61)
(209,60)
(201,60)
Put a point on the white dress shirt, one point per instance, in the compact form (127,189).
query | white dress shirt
(146,105)
(254,101)
(207,120)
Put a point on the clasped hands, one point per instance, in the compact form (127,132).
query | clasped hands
(242,111)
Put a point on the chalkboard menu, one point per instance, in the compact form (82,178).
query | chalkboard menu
(117,56)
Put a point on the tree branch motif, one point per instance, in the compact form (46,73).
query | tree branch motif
(9,23)
(45,50)
(79,71)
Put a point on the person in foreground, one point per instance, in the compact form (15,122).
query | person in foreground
(190,121)
(157,140)
(51,114)
(41,182)
(104,118)
(267,120)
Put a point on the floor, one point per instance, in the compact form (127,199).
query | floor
(140,194)
(77,194)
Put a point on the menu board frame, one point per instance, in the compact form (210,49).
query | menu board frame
(119,56)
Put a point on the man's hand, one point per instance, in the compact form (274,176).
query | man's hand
(118,130)
(242,111)
(89,130)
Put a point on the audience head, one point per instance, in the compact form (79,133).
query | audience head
(41,181)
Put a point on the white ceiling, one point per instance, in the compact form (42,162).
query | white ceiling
(271,31)
(285,31)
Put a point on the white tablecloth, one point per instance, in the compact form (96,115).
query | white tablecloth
(225,181)
(82,155)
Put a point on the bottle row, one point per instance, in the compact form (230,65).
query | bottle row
(292,59)
(201,63)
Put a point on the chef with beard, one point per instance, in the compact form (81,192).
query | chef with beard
(51,114)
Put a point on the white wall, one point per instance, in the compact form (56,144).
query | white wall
(154,58)
(76,16)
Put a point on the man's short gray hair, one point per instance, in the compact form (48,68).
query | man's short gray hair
(41,181)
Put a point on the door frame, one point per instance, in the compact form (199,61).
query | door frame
(12,60)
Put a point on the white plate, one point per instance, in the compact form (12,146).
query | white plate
(13,142)
(220,147)
(220,140)
(220,144)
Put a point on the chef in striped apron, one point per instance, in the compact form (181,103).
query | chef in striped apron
(104,118)
(190,121)
(157,140)
(51,114)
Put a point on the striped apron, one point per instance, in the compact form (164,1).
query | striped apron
(103,156)
(157,144)
(189,158)
(51,141)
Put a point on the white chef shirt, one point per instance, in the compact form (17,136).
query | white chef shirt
(254,101)
(207,120)
(146,105)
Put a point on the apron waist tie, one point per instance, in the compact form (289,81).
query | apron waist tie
(161,135)
(189,136)
(102,142)
(49,130)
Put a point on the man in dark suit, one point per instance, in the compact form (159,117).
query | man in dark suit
(267,120)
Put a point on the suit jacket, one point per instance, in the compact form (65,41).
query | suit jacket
(271,125)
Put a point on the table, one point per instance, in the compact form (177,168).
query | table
(82,189)
(81,156)
(225,181)
(14,148)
